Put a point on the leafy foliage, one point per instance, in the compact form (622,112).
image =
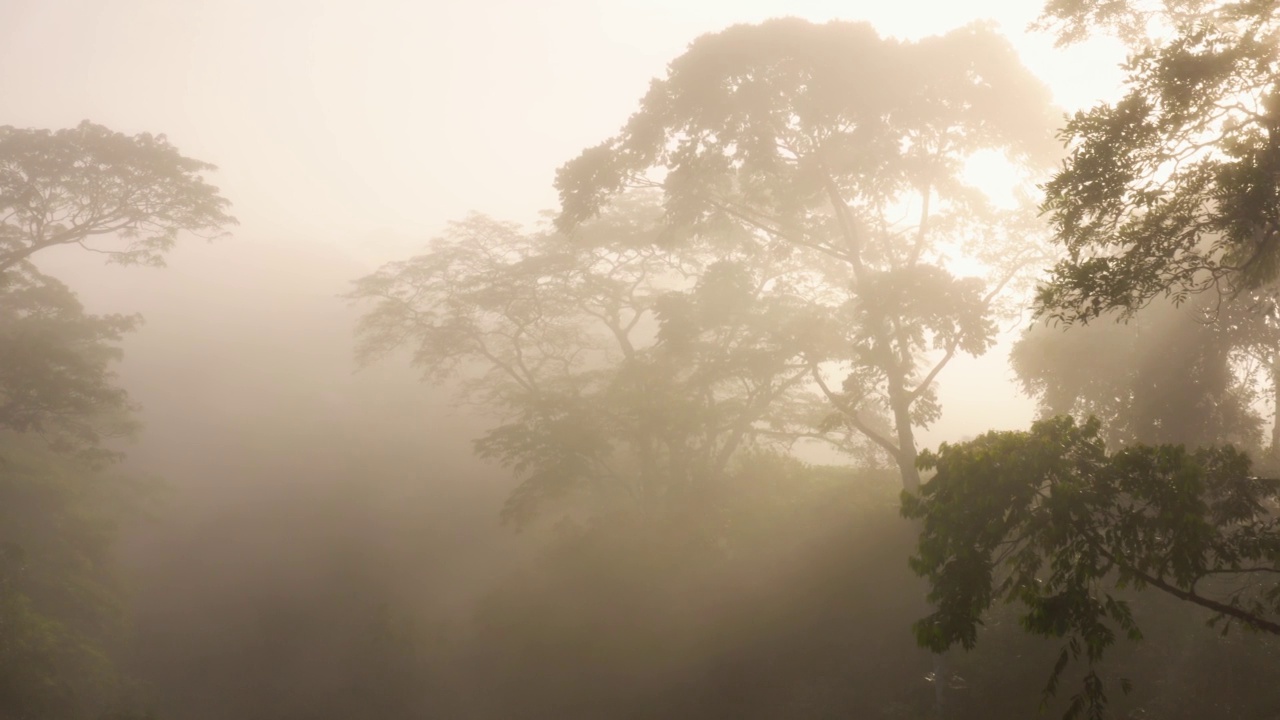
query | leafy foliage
(813,143)
(616,368)
(55,366)
(1172,189)
(1190,375)
(60,599)
(1051,520)
(128,198)
(74,186)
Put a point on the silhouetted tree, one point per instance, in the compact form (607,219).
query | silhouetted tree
(126,197)
(1170,191)
(813,142)
(1051,520)
(60,406)
(619,369)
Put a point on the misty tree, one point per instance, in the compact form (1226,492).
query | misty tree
(56,377)
(62,617)
(845,153)
(128,198)
(125,197)
(1126,375)
(618,367)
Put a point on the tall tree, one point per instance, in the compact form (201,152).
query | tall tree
(616,367)
(128,198)
(816,142)
(125,197)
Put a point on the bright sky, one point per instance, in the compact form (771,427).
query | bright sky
(371,123)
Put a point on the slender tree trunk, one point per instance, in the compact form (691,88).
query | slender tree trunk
(900,403)
(907,454)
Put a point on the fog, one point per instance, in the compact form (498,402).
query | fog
(313,533)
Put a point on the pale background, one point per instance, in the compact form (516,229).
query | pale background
(360,128)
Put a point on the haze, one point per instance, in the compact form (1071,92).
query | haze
(321,540)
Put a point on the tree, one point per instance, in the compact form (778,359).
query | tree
(88,184)
(61,409)
(618,368)
(1174,188)
(61,614)
(1051,520)
(1170,375)
(125,197)
(812,142)
(55,367)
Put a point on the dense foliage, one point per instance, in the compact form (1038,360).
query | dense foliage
(783,133)
(1172,189)
(777,256)
(1050,519)
(62,409)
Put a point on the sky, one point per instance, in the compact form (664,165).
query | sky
(366,126)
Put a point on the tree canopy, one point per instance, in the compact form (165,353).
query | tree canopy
(815,142)
(1053,521)
(1173,188)
(615,367)
(86,184)
(62,410)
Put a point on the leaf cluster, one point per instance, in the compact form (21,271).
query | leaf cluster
(78,185)
(1052,521)
(1173,189)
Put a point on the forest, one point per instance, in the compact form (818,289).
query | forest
(668,448)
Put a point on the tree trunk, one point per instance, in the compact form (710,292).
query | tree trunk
(901,405)
(1274,450)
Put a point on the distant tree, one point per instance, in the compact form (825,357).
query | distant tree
(128,198)
(845,153)
(1051,520)
(56,379)
(125,197)
(1170,375)
(616,367)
